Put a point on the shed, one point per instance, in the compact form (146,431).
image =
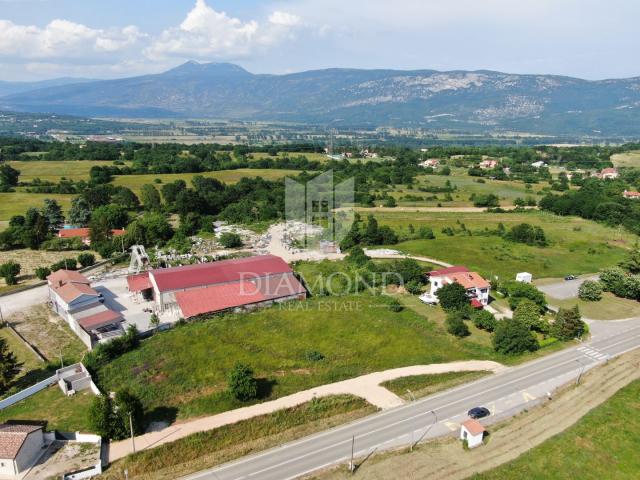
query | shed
(473,432)
(524,277)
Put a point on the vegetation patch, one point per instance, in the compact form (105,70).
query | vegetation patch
(424,385)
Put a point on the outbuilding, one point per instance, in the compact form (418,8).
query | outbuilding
(524,277)
(473,432)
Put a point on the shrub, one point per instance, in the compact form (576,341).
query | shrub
(86,259)
(513,338)
(516,291)
(314,356)
(110,417)
(413,287)
(426,233)
(528,313)
(230,240)
(452,296)
(103,353)
(484,320)
(395,306)
(65,264)
(590,291)
(57,244)
(568,324)
(528,234)
(455,325)
(242,385)
(42,273)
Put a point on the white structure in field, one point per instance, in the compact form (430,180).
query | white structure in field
(478,289)
(524,277)
(20,448)
(473,432)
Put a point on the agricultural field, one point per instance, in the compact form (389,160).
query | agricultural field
(577,246)
(627,159)
(16,203)
(135,182)
(506,190)
(53,171)
(29,260)
(603,444)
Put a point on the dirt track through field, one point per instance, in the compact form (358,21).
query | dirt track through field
(446,459)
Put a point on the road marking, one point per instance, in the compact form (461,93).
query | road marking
(527,396)
(451,426)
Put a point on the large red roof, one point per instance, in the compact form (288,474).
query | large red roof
(139,282)
(448,271)
(224,271)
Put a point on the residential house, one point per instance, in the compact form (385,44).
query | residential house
(84,234)
(539,164)
(20,448)
(430,163)
(608,174)
(478,289)
(632,195)
(488,164)
(239,283)
(72,298)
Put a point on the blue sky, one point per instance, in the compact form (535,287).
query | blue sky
(98,39)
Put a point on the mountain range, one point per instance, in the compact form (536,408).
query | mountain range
(462,101)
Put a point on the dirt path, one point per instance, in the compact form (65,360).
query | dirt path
(445,459)
(366,386)
(433,209)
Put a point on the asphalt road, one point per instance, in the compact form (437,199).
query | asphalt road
(565,289)
(505,394)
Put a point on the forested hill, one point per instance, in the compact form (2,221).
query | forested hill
(479,101)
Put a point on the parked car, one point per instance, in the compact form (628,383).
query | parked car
(570,277)
(479,412)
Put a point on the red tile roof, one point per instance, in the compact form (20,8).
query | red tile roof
(218,298)
(225,271)
(139,282)
(99,319)
(475,303)
(62,277)
(474,427)
(70,291)
(448,270)
(84,232)
(12,437)
(469,280)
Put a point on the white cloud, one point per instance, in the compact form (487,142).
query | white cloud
(208,34)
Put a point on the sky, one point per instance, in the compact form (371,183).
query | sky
(592,39)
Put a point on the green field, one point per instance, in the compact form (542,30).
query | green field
(609,308)
(67,414)
(627,159)
(53,171)
(17,203)
(576,245)
(27,359)
(135,182)
(602,445)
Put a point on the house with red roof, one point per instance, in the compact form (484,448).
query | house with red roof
(488,164)
(607,174)
(84,234)
(240,283)
(631,195)
(72,298)
(478,289)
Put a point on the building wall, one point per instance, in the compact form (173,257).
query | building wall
(7,467)
(30,451)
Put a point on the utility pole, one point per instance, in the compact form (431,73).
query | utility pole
(352,467)
(413,397)
(581,371)
(61,360)
(133,441)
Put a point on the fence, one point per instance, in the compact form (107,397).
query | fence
(95,469)
(27,392)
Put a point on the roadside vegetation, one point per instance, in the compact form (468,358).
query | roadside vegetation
(418,386)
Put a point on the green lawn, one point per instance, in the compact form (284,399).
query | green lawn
(54,170)
(67,414)
(576,245)
(602,445)
(135,182)
(609,308)
(17,203)
(423,385)
(28,360)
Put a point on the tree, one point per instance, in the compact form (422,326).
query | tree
(390,202)
(455,324)
(86,259)
(126,198)
(80,212)
(528,234)
(9,366)
(528,313)
(8,176)
(42,273)
(452,296)
(413,287)
(590,291)
(127,405)
(632,261)
(53,214)
(154,321)
(484,320)
(426,233)
(242,385)
(230,240)
(395,306)
(513,337)
(10,271)
(568,324)
(516,291)
(408,270)
(101,416)
(150,198)
(171,190)
(357,256)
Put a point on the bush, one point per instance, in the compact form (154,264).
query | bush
(513,338)
(103,353)
(395,306)
(57,244)
(86,259)
(313,356)
(590,291)
(484,320)
(528,234)
(10,271)
(426,233)
(66,264)
(230,240)
(456,326)
(110,418)
(452,296)
(568,324)
(413,287)
(528,313)
(516,291)
(42,273)
(242,385)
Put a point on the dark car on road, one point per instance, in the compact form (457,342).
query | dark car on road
(479,412)
(570,277)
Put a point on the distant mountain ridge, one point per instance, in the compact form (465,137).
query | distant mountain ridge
(10,88)
(469,101)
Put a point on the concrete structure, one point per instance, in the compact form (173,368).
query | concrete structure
(75,378)
(212,287)
(72,298)
(84,234)
(430,163)
(488,164)
(478,289)
(524,277)
(473,432)
(20,447)
(632,195)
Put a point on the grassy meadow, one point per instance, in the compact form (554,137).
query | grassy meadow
(603,444)
(576,245)
(16,203)
(609,308)
(627,159)
(53,171)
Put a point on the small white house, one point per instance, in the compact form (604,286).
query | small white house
(524,277)
(478,289)
(20,447)
(473,432)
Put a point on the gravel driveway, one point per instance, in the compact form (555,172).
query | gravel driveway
(565,289)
